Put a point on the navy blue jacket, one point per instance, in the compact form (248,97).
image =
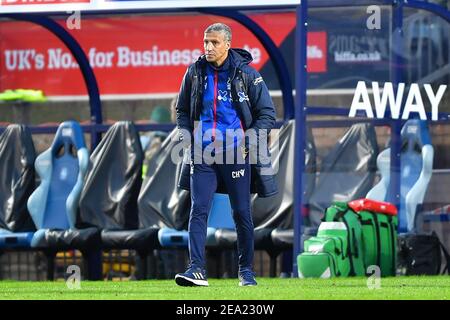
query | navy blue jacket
(251,100)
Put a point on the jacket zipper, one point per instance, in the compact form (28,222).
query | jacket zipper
(234,98)
(213,138)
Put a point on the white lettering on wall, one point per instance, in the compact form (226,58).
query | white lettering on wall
(382,100)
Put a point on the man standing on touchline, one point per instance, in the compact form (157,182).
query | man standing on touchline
(220,93)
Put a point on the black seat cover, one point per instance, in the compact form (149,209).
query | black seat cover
(17,178)
(348,171)
(112,184)
(161,203)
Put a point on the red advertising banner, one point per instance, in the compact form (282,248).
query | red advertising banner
(129,55)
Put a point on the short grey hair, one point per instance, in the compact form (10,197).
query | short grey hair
(220,27)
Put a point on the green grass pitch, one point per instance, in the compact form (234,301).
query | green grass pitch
(422,287)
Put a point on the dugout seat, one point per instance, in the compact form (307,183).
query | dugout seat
(347,171)
(218,218)
(416,160)
(110,195)
(161,204)
(53,205)
(17,182)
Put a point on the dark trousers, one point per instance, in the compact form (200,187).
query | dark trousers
(204,179)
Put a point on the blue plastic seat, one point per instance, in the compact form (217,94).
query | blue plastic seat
(416,160)
(12,240)
(53,205)
(219,218)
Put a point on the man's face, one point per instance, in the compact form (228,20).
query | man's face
(216,47)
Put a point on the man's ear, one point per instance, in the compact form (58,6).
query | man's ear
(228,45)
